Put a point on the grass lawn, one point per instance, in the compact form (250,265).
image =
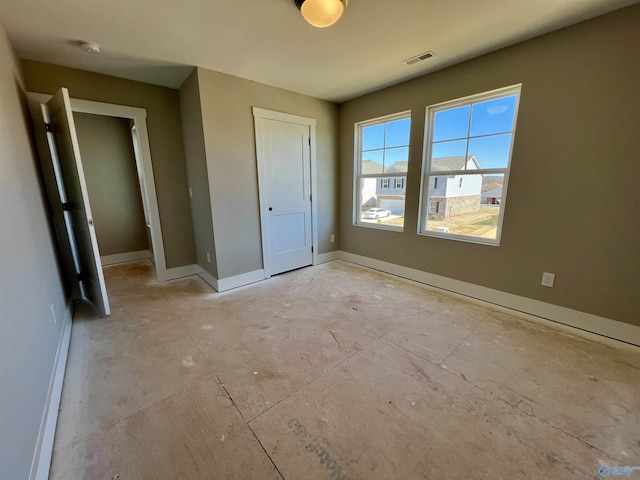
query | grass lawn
(492,214)
(483,223)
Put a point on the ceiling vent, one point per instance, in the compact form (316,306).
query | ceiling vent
(419,58)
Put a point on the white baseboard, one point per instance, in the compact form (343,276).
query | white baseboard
(614,329)
(125,257)
(178,272)
(44,448)
(326,257)
(240,280)
(224,284)
(207,277)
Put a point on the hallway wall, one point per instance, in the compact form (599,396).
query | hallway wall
(109,163)
(31,293)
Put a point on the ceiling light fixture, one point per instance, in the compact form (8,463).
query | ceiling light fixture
(90,47)
(322,13)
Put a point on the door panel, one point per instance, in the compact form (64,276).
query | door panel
(290,232)
(287,161)
(285,171)
(50,176)
(66,157)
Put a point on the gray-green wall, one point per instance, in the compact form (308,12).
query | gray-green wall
(30,284)
(109,164)
(197,176)
(573,202)
(229,140)
(165,139)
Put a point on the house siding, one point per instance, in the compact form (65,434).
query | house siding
(471,185)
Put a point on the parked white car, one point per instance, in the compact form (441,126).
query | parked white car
(376,213)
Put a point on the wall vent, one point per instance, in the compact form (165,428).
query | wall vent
(419,58)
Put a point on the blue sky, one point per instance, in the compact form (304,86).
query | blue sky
(492,118)
(395,142)
(489,140)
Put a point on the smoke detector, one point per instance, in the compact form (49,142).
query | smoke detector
(90,47)
(419,58)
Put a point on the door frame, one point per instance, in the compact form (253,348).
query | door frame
(143,163)
(260,114)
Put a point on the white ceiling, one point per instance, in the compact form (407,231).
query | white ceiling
(159,41)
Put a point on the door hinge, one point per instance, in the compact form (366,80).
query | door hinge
(309,141)
(311,248)
(66,207)
(80,276)
(310,198)
(48,127)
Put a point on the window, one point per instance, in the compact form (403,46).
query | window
(382,157)
(468,144)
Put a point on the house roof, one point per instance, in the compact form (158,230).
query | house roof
(490,186)
(495,193)
(443,164)
(448,164)
(370,167)
(398,167)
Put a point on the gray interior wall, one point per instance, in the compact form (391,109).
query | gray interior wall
(165,139)
(30,283)
(573,191)
(197,176)
(109,163)
(229,135)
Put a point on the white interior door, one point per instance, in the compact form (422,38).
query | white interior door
(284,169)
(65,154)
(142,182)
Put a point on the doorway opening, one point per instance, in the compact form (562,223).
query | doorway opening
(114,182)
(65,177)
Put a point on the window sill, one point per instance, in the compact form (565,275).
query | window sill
(462,238)
(379,226)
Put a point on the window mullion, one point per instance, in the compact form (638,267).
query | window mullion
(384,147)
(466,152)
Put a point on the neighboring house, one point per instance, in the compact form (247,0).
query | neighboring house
(368,185)
(492,197)
(448,195)
(452,195)
(391,191)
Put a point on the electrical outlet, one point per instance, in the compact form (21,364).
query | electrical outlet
(333,238)
(53,314)
(548,279)
(208,257)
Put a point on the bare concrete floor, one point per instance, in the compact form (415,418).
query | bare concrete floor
(335,372)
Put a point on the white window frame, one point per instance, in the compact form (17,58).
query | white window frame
(358,176)
(437,209)
(426,164)
(384,183)
(400,181)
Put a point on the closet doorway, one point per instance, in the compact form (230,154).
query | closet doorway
(122,189)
